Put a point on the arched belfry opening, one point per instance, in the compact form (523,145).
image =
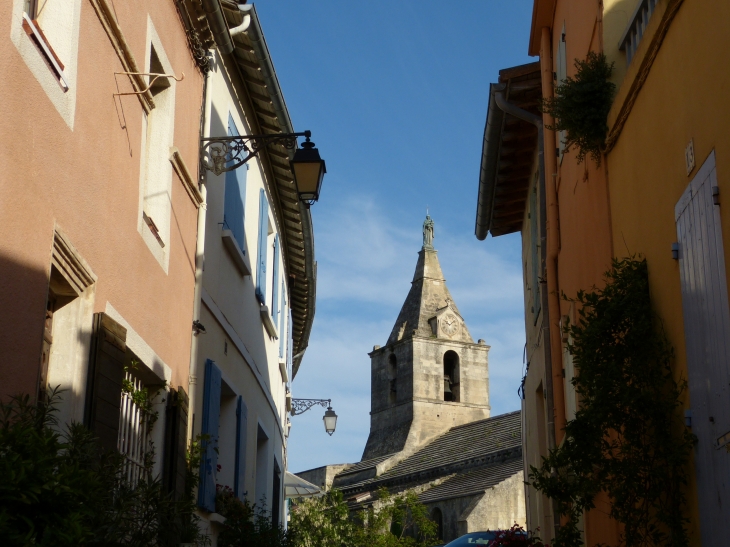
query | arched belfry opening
(392,377)
(451,376)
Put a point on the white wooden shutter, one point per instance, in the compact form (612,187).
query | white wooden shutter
(707,339)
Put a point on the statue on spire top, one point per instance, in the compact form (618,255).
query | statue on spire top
(428,233)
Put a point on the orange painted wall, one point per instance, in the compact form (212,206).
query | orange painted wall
(586,240)
(87,181)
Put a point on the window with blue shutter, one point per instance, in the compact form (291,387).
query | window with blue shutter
(209,431)
(275,283)
(235,196)
(239,474)
(263,247)
(283,319)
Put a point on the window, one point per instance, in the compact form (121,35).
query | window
(235,197)
(133,437)
(262,247)
(635,31)
(209,430)
(69,311)
(392,378)
(174,467)
(451,376)
(276,496)
(156,175)
(263,459)
(275,282)
(46,35)
(282,342)
(239,475)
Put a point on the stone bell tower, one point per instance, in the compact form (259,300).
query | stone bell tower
(430,376)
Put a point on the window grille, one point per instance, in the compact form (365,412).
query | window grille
(133,437)
(635,31)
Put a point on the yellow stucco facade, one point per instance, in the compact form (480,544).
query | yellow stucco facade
(683,98)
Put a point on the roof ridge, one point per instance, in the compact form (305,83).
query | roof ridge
(484,420)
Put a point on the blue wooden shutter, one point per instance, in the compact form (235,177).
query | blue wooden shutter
(275,283)
(283,320)
(239,474)
(209,429)
(235,194)
(262,252)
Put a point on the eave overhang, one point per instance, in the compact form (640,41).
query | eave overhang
(508,153)
(260,94)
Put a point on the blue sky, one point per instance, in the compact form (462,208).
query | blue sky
(395,94)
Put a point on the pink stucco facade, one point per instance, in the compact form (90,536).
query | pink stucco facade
(80,173)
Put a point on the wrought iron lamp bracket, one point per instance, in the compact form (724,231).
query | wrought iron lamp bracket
(153,78)
(223,154)
(300,406)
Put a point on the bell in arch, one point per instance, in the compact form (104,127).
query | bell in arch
(448,394)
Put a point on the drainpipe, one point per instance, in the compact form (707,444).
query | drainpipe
(243,27)
(199,261)
(553,241)
(553,381)
(218,26)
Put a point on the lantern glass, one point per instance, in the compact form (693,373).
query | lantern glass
(308,169)
(330,420)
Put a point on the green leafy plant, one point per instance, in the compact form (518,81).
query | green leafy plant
(322,522)
(398,520)
(627,438)
(62,489)
(581,104)
(393,521)
(246,524)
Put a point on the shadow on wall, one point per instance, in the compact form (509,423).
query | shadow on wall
(23,293)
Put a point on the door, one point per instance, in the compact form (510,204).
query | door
(707,336)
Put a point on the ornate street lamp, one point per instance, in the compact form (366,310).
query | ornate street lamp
(300,406)
(223,154)
(309,170)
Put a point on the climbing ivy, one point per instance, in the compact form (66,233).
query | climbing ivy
(580,106)
(627,438)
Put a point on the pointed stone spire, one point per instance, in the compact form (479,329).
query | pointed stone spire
(429,296)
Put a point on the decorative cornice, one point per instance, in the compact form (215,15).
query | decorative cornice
(178,163)
(70,263)
(105,12)
(642,74)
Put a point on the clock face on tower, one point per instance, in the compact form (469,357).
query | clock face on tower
(449,324)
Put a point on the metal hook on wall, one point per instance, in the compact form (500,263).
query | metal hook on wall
(152,80)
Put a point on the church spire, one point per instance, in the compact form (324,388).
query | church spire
(429,296)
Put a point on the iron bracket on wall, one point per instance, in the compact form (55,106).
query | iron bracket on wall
(153,78)
(223,154)
(300,406)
